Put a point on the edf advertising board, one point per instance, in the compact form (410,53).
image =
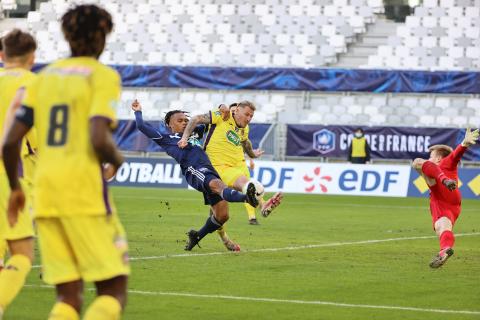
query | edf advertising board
(331,178)
(305,177)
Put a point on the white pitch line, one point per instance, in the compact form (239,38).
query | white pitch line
(352,205)
(273,300)
(307,246)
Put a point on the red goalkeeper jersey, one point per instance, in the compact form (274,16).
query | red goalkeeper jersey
(439,193)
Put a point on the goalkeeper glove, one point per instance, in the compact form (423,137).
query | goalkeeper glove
(471,137)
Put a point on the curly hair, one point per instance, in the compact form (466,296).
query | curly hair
(17,44)
(85,27)
(169,115)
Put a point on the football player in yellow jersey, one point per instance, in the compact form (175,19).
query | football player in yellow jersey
(19,49)
(71,105)
(225,144)
(3,243)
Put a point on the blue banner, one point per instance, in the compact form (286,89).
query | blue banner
(385,142)
(359,80)
(150,172)
(128,138)
(468,180)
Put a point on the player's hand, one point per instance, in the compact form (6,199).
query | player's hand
(225,111)
(471,137)
(182,143)
(251,164)
(258,152)
(450,184)
(136,106)
(16,202)
(109,172)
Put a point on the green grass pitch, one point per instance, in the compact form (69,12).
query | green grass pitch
(316,257)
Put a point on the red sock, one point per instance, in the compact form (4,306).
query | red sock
(433,171)
(447,239)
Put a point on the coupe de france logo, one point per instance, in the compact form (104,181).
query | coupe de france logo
(324,141)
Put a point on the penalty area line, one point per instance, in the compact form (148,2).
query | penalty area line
(290,248)
(274,300)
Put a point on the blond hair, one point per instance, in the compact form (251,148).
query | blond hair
(245,103)
(442,149)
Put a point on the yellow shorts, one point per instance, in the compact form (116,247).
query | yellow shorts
(24,226)
(92,248)
(230,174)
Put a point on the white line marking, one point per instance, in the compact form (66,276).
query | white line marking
(307,246)
(352,205)
(273,300)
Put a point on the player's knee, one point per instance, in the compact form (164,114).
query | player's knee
(23,247)
(217,186)
(443,224)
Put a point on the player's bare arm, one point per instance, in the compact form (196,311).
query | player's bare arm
(195,121)
(103,144)
(248,149)
(11,159)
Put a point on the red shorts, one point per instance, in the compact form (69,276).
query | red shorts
(449,211)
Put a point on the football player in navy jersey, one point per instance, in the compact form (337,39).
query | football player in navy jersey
(197,169)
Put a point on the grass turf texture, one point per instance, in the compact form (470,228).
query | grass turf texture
(393,273)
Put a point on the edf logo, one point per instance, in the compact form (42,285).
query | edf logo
(324,141)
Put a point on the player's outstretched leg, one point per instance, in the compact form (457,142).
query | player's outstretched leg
(443,227)
(271,204)
(213,223)
(227,242)
(442,257)
(252,194)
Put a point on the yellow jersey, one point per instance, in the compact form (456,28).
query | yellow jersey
(11,80)
(223,143)
(61,102)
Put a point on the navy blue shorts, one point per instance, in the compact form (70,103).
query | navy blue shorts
(199,178)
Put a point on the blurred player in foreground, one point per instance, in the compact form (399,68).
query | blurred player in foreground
(19,54)
(441,174)
(71,103)
(196,168)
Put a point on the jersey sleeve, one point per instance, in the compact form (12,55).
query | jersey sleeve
(26,112)
(454,158)
(146,128)
(106,95)
(215,116)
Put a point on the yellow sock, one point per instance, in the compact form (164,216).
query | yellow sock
(12,278)
(104,308)
(222,233)
(3,252)
(63,311)
(250,211)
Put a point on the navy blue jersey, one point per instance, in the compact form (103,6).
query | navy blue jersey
(192,154)
(194,162)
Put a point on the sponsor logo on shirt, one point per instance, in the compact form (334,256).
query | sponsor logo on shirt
(233,138)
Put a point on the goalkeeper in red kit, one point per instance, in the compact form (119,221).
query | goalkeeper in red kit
(441,174)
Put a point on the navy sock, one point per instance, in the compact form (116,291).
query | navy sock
(210,225)
(232,195)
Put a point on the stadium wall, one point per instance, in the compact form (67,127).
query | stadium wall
(305,177)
